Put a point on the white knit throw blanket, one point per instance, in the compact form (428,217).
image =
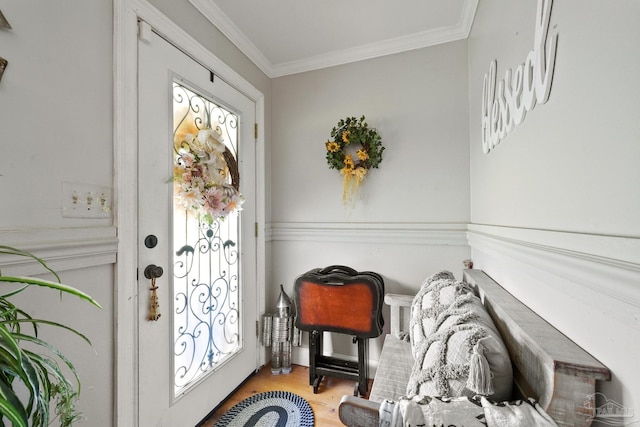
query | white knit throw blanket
(480,412)
(519,413)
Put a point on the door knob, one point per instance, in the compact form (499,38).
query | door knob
(152,271)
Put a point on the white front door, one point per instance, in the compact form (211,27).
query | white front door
(197,317)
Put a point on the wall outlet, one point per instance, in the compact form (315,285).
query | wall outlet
(86,200)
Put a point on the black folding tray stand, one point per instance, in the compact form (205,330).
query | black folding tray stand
(342,300)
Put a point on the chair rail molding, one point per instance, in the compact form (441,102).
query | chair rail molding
(446,234)
(607,265)
(62,248)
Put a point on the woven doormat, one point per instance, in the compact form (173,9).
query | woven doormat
(269,409)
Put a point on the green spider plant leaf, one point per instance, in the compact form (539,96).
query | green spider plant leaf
(8,250)
(49,284)
(15,363)
(10,294)
(11,407)
(53,366)
(41,369)
(44,322)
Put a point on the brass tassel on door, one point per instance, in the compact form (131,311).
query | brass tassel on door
(154,306)
(153,272)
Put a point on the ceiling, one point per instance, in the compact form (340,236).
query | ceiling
(291,36)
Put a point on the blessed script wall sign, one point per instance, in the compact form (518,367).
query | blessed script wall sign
(505,106)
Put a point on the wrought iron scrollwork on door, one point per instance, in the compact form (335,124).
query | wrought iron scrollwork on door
(206,302)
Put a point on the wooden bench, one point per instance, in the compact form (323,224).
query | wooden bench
(547,365)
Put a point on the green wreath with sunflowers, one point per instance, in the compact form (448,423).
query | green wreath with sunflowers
(353,149)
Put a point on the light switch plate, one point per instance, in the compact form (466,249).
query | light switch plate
(86,200)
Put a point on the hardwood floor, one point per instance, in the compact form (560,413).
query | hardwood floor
(324,403)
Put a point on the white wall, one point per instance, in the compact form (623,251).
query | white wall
(554,207)
(55,108)
(411,218)
(416,100)
(569,165)
(56,126)
(403,265)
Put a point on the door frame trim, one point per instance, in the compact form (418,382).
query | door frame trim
(125,131)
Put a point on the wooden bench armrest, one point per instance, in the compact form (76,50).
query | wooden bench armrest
(358,412)
(548,366)
(397,304)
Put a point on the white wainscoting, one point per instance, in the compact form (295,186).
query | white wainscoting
(62,248)
(587,286)
(608,265)
(403,253)
(597,275)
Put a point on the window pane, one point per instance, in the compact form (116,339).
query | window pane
(206,281)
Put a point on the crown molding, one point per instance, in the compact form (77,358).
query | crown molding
(370,51)
(388,47)
(214,14)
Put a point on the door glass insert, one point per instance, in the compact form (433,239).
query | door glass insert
(206,238)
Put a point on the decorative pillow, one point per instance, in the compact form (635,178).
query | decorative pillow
(460,353)
(438,411)
(436,294)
